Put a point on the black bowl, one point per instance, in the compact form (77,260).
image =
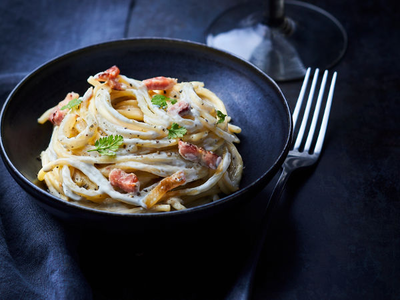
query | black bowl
(254,101)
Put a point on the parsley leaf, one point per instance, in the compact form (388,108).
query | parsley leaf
(108,145)
(221,117)
(73,103)
(176,131)
(161,101)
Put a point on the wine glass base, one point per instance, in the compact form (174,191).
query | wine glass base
(310,37)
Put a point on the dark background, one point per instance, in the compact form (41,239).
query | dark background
(336,234)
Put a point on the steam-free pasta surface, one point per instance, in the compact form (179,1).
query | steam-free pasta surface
(136,146)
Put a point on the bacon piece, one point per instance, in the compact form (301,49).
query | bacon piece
(111,77)
(58,115)
(110,73)
(127,182)
(160,83)
(198,154)
(181,108)
(165,185)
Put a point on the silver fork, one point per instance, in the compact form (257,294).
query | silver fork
(298,157)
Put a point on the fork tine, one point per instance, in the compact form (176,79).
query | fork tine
(303,125)
(301,97)
(316,112)
(324,124)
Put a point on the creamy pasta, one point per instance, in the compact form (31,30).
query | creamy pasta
(136,146)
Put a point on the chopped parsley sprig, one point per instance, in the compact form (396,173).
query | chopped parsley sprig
(176,131)
(161,101)
(72,104)
(221,116)
(108,145)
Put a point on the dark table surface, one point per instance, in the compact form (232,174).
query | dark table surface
(336,234)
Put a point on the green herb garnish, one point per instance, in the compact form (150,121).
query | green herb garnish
(161,101)
(221,117)
(73,103)
(176,131)
(108,145)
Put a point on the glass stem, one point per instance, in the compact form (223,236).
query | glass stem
(276,13)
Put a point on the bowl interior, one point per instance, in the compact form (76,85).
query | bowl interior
(253,100)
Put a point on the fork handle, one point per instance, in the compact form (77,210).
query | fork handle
(243,285)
